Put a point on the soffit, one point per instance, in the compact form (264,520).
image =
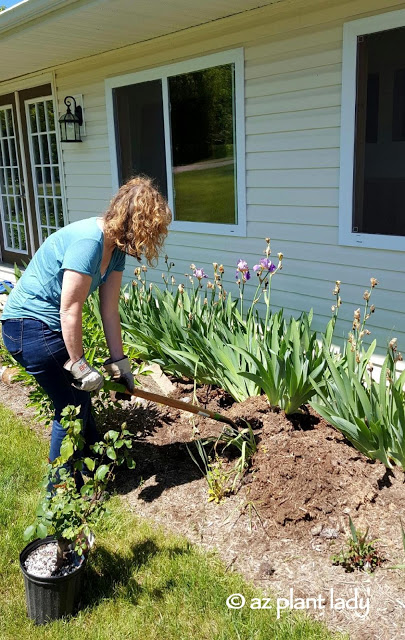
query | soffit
(40,34)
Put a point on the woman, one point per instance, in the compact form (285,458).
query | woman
(42,319)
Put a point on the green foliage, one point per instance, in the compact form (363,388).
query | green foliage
(359,553)
(215,345)
(369,413)
(222,482)
(203,334)
(289,359)
(66,512)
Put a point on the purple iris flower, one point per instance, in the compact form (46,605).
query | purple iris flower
(199,274)
(242,269)
(265,265)
(242,266)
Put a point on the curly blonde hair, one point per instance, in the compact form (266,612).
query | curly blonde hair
(137,219)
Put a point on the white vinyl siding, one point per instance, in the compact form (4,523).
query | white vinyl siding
(293,76)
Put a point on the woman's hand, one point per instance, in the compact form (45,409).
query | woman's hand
(120,372)
(86,378)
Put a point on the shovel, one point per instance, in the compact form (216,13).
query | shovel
(169,402)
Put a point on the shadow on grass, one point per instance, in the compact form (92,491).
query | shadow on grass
(110,575)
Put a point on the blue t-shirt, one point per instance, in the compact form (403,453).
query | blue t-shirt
(78,247)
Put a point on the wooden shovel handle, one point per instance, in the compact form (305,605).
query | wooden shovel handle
(172,402)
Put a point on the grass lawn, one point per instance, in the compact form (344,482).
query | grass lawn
(206,195)
(141,583)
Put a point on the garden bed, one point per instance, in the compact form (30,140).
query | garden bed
(291,512)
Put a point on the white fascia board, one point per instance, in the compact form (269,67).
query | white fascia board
(27,10)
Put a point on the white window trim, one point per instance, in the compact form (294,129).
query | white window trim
(235,56)
(351,31)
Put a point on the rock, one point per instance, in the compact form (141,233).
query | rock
(329,533)
(316,530)
(8,374)
(166,387)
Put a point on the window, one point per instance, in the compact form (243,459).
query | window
(183,125)
(372,183)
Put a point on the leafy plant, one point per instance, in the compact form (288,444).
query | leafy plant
(288,361)
(369,413)
(212,470)
(360,553)
(222,482)
(65,511)
(245,441)
(241,354)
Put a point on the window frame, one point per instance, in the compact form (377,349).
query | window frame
(351,30)
(235,56)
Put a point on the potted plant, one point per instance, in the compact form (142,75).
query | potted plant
(54,562)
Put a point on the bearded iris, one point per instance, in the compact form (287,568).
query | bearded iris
(242,269)
(199,274)
(265,265)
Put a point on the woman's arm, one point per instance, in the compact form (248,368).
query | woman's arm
(109,297)
(75,288)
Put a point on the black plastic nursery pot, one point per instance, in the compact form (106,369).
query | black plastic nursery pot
(51,598)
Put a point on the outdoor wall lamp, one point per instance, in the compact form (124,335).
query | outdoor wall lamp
(70,123)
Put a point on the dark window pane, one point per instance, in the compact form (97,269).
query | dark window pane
(140,132)
(51,116)
(33,118)
(398,116)
(373,86)
(379,178)
(203,145)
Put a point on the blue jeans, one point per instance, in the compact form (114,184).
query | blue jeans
(42,352)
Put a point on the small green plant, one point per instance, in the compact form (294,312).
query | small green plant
(245,442)
(221,482)
(213,472)
(218,480)
(66,512)
(360,553)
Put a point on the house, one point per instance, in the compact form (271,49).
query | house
(280,118)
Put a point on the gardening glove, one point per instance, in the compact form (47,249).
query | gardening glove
(120,371)
(86,378)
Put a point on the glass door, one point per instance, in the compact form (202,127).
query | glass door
(14,236)
(31,203)
(44,165)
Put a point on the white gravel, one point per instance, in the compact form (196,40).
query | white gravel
(42,562)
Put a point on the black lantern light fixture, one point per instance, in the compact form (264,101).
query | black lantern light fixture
(70,123)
